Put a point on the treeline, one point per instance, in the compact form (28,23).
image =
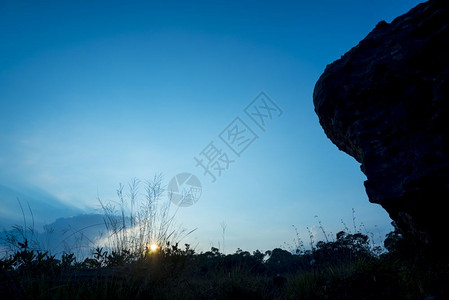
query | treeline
(347,267)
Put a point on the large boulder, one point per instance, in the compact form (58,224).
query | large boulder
(386,103)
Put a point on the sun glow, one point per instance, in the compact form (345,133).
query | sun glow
(153,247)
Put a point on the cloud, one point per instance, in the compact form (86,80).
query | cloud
(38,206)
(78,234)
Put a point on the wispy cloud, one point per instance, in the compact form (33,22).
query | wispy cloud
(37,205)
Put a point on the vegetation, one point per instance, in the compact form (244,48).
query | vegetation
(346,268)
(134,223)
(143,259)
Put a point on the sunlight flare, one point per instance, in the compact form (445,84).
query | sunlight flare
(152,248)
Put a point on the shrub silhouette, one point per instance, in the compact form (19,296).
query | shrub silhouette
(347,247)
(347,267)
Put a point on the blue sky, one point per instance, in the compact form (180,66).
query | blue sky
(93,94)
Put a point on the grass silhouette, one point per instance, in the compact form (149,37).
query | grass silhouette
(135,223)
(347,265)
(345,268)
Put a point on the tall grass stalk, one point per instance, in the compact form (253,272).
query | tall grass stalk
(138,220)
(22,235)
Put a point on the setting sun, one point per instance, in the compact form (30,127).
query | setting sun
(153,247)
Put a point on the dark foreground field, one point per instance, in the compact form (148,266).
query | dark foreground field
(348,267)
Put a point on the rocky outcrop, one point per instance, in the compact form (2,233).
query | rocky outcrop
(386,103)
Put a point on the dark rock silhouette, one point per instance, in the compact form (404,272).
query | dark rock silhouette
(386,103)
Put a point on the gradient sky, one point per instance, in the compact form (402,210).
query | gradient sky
(95,93)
